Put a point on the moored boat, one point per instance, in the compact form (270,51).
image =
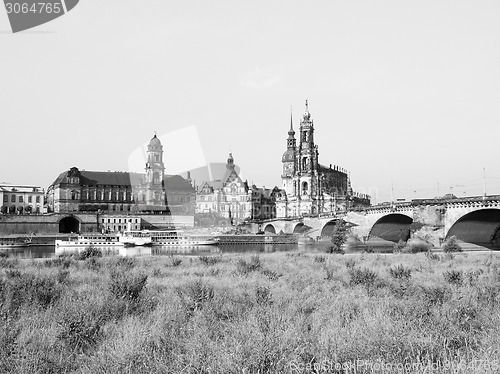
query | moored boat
(132,238)
(181,239)
(81,241)
(15,242)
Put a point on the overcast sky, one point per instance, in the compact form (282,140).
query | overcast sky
(402,93)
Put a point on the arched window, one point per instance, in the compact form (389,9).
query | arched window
(156,177)
(304,163)
(305,188)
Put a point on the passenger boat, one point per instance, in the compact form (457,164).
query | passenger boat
(181,239)
(97,240)
(15,242)
(132,238)
(171,237)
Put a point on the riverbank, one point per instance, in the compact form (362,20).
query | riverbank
(276,312)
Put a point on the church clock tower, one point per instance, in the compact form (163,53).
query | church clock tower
(289,161)
(155,170)
(307,160)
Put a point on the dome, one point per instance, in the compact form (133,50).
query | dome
(288,155)
(155,142)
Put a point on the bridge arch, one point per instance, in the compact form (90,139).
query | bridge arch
(327,229)
(299,228)
(68,225)
(270,229)
(480,227)
(392,227)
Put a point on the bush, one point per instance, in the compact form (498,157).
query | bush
(64,261)
(244,267)
(270,274)
(24,288)
(176,261)
(333,249)
(432,256)
(195,294)
(451,245)
(399,246)
(124,262)
(127,286)
(350,263)
(263,295)
(400,272)
(319,259)
(454,277)
(79,331)
(417,246)
(362,276)
(210,260)
(89,252)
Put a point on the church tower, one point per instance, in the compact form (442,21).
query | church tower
(289,161)
(155,171)
(307,160)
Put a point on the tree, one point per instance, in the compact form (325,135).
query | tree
(339,236)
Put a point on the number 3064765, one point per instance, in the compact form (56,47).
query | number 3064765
(33,8)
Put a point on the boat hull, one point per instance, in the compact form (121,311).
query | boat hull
(185,243)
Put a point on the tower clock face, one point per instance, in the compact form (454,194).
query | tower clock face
(287,167)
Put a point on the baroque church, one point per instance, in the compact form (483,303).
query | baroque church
(152,191)
(308,187)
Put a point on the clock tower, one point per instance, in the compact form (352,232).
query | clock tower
(289,161)
(155,172)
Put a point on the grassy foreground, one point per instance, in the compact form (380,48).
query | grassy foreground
(287,312)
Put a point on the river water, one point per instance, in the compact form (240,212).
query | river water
(49,251)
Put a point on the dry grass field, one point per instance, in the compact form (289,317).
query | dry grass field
(286,312)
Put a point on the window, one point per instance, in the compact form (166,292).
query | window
(5,198)
(304,188)
(13,198)
(30,199)
(20,199)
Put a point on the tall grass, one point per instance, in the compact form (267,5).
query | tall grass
(273,313)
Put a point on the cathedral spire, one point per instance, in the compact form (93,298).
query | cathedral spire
(291,132)
(307,115)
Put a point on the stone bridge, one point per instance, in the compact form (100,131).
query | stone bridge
(472,219)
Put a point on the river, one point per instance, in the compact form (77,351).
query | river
(49,251)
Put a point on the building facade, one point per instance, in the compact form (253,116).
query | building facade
(21,199)
(229,197)
(309,188)
(264,202)
(122,192)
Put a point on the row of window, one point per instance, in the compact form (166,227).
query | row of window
(225,198)
(125,220)
(109,196)
(20,198)
(223,207)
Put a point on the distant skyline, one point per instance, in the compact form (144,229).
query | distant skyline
(404,95)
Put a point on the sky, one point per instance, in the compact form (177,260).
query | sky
(404,94)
